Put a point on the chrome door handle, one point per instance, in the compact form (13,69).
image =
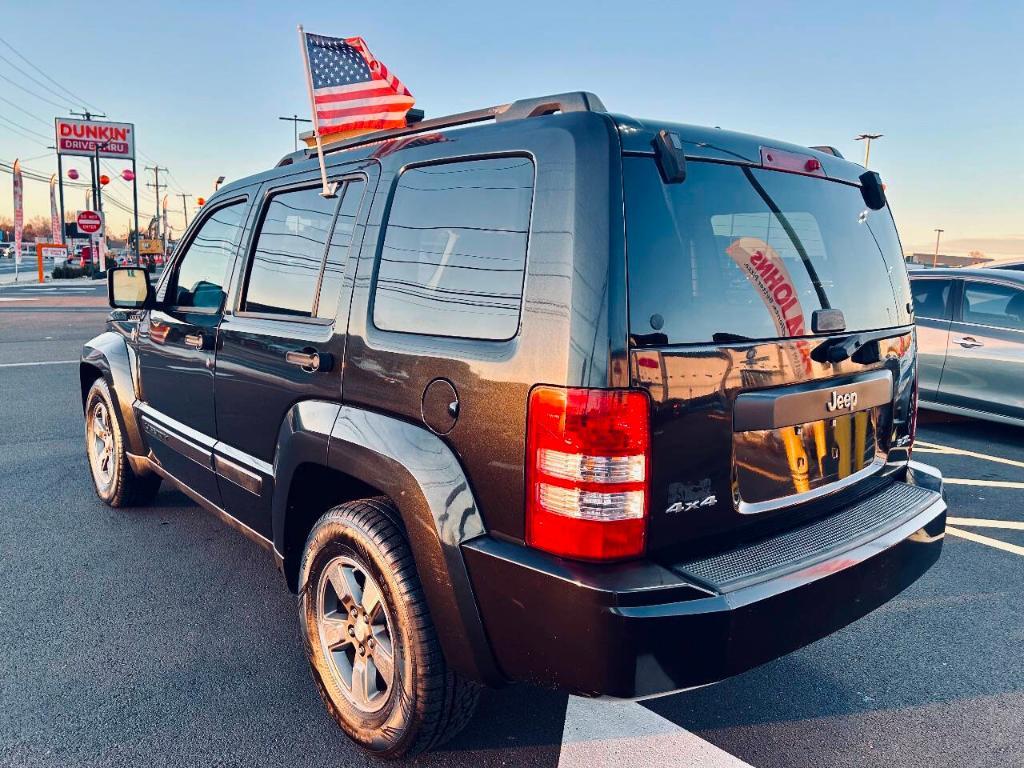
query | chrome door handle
(194,340)
(309,361)
(968,342)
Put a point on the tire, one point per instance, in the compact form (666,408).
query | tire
(423,703)
(115,482)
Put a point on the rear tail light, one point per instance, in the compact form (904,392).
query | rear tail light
(588,472)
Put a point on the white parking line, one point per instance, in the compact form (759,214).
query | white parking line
(975,522)
(983,483)
(40,362)
(602,734)
(987,540)
(926,447)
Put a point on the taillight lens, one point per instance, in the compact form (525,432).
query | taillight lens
(588,472)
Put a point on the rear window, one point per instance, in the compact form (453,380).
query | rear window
(737,253)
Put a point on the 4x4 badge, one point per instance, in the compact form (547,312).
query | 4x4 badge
(689,506)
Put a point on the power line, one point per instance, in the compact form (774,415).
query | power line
(33,93)
(23,128)
(25,111)
(41,84)
(37,69)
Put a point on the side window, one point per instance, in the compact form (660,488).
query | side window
(454,251)
(991,304)
(931,298)
(289,253)
(337,254)
(202,271)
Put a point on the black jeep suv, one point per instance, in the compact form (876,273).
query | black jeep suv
(567,397)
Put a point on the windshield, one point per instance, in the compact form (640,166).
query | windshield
(737,253)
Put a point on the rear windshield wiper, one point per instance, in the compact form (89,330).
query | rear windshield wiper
(728,338)
(859,347)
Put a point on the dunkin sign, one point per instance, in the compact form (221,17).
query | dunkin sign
(767,272)
(84,137)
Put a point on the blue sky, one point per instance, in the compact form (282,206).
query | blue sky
(204,82)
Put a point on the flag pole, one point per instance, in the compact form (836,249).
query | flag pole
(329,189)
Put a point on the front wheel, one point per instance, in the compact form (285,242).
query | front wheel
(372,648)
(113,478)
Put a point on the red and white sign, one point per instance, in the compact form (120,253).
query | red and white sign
(767,272)
(90,222)
(83,137)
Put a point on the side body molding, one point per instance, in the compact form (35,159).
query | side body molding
(110,354)
(418,471)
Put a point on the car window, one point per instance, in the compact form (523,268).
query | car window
(454,251)
(337,254)
(931,298)
(749,253)
(991,304)
(285,267)
(203,269)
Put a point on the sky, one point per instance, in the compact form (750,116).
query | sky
(205,83)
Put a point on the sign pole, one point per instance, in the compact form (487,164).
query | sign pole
(135,203)
(60,186)
(329,190)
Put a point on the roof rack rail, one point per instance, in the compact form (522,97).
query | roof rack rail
(574,101)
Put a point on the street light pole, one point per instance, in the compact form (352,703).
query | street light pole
(938,234)
(867,139)
(295,120)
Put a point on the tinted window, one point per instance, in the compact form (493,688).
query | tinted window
(737,253)
(931,298)
(289,253)
(203,269)
(337,254)
(991,304)
(454,249)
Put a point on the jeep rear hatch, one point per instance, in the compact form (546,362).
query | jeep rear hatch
(759,421)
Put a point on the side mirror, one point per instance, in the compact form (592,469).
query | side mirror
(129,288)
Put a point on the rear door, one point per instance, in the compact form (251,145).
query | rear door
(754,426)
(283,339)
(933,304)
(985,362)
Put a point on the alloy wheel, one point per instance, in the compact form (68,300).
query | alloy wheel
(101,444)
(356,635)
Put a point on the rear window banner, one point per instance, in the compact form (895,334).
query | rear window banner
(767,272)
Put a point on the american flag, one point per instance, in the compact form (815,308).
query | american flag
(351,89)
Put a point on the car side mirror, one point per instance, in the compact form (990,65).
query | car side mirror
(129,288)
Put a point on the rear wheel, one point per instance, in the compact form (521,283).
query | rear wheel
(373,650)
(113,478)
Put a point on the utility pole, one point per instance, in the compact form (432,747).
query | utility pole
(156,169)
(867,139)
(94,167)
(938,234)
(295,120)
(184,205)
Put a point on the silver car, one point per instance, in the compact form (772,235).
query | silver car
(970,330)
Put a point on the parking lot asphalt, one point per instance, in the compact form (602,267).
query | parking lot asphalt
(158,636)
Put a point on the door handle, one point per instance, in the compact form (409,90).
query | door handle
(309,361)
(194,340)
(968,342)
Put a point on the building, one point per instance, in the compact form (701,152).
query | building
(947,260)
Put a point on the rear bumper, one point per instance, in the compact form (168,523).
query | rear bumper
(643,629)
